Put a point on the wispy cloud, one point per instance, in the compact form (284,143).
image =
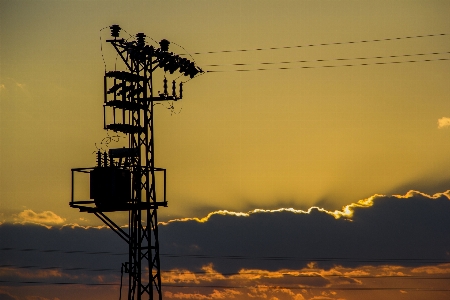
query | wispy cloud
(443,122)
(216,294)
(29,273)
(311,282)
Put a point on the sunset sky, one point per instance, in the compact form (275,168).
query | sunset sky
(339,105)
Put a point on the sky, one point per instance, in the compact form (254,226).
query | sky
(345,106)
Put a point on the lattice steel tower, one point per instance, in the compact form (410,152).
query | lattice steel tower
(125,178)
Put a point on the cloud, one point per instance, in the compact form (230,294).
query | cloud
(216,294)
(443,122)
(24,273)
(346,212)
(283,254)
(376,230)
(45,218)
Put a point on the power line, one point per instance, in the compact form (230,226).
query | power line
(58,268)
(330,66)
(244,257)
(240,287)
(56,283)
(316,259)
(323,60)
(324,44)
(315,288)
(233,273)
(63,251)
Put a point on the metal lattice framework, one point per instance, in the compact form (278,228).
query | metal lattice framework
(125,178)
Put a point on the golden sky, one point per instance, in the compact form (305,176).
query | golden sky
(361,108)
(238,140)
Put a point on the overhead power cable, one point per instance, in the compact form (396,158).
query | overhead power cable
(63,251)
(59,268)
(56,283)
(323,60)
(416,289)
(185,272)
(314,288)
(330,66)
(316,259)
(324,44)
(243,257)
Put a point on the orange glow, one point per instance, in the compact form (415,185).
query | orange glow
(308,283)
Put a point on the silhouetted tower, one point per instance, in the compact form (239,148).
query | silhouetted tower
(125,178)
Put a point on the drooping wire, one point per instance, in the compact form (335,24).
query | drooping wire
(197,75)
(101,46)
(323,44)
(171,107)
(117,54)
(108,140)
(184,50)
(152,39)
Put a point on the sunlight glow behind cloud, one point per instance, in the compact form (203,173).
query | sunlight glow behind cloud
(45,218)
(346,212)
(305,283)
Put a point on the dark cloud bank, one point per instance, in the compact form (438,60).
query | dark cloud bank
(407,231)
(401,231)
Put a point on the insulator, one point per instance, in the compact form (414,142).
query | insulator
(115,29)
(164,45)
(174,89)
(105,159)
(99,158)
(165,86)
(181,90)
(140,38)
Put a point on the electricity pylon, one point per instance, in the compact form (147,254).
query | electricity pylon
(125,178)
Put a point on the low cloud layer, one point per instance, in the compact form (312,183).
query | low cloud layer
(377,230)
(287,254)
